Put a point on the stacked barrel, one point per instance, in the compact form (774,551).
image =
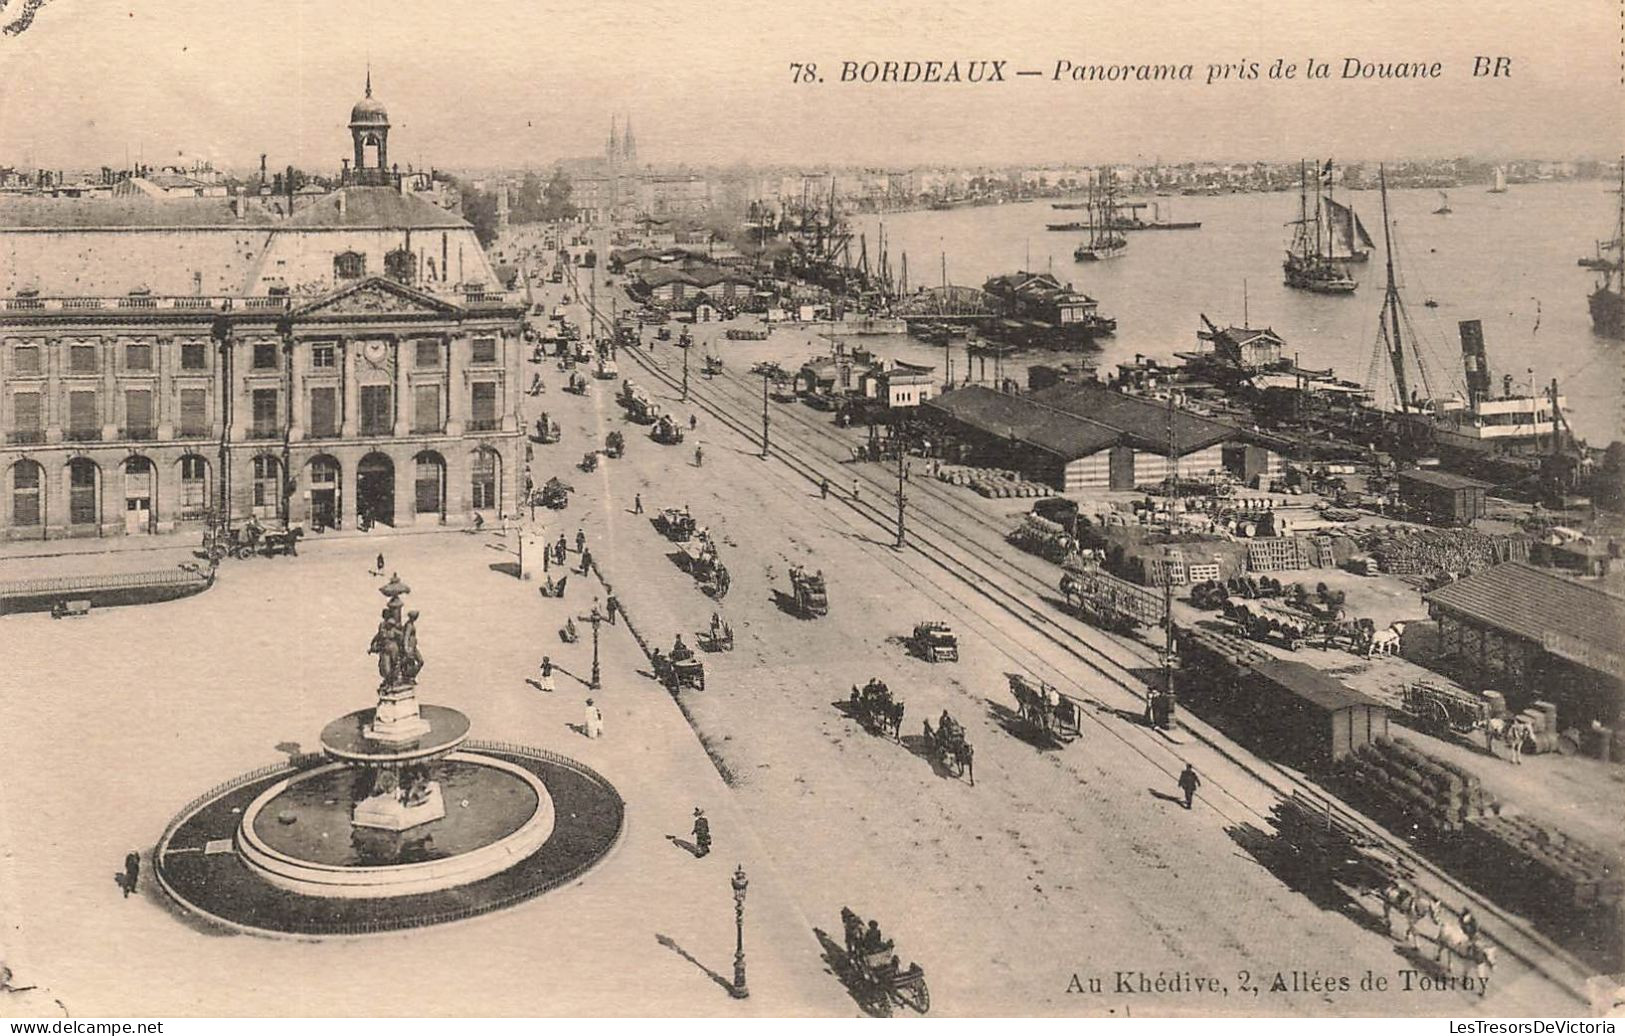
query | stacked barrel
(1429,793)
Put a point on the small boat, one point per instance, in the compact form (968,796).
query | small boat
(1444,205)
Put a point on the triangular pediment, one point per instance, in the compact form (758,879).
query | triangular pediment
(377,296)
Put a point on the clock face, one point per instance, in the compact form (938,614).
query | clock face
(375,352)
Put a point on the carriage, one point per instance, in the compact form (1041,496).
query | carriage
(713,366)
(719,637)
(253,539)
(577,384)
(606,369)
(614,445)
(808,593)
(947,745)
(677,673)
(666,431)
(1052,713)
(1441,710)
(876,974)
(284,541)
(589,461)
(677,526)
(934,642)
(554,494)
(701,561)
(874,707)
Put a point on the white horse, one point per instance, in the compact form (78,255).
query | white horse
(1478,959)
(1514,733)
(1383,642)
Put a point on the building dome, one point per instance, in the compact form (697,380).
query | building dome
(369,112)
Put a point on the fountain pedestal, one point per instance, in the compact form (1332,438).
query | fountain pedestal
(393,810)
(397,719)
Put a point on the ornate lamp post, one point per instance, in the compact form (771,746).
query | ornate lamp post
(739,990)
(595,618)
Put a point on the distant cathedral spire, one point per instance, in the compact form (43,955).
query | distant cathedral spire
(611,149)
(629,146)
(369,78)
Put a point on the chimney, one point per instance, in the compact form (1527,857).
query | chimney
(237,204)
(341,204)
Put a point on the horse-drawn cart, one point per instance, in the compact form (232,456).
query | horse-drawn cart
(947,745)
(876,973)
(674,524)
(876,709)
(1047,709)
(677,673)
(719,637)
(1440,710)
(808,593)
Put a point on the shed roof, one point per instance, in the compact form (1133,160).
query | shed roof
(1440,479)
(1572,620)
(1312,685)
(1141,422)
(1019,418)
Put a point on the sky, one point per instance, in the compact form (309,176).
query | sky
(504,83)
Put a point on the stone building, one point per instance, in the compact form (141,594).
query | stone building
(162,363)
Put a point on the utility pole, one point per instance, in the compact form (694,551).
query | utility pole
(902,499)
(685,372)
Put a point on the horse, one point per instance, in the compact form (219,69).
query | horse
(1383,642)
(1513,732)
(1412,904)
(1478,958)
(948,742)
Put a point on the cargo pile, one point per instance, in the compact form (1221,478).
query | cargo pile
(996,483)
(1422,552)
(1567,873)
(1430,793)
(1047,539)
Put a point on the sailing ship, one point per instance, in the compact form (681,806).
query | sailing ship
(1608,300)
(1444,208)
(1500,184)
(1309,264)
(1349,242)
(1105,240)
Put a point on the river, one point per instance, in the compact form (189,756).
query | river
(1505,259)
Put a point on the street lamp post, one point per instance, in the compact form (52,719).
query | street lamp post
(739,990)
(595,618)
(902,499)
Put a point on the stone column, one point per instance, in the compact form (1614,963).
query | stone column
(456,389)
(112,497)
(347,390)
(296,388)
(403,409)
(55,403)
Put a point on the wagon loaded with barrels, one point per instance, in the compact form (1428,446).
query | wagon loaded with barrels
(934,642)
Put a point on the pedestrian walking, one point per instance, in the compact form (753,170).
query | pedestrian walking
(637,503)
(586,561)
(132,872)
(581,541)
(854,490)
(612,605)
(702,833)
(560,549)
(823,489)
(547,674)
(693,422)
(594,725)
(699,456)
(379,564)
(1188,783)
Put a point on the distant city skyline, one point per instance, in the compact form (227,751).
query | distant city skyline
(527,84)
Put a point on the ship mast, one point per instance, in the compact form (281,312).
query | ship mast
(1390,305)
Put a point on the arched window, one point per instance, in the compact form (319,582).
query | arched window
(27,494)
(483,489)
(348,266)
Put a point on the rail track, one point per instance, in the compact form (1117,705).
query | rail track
(936,542)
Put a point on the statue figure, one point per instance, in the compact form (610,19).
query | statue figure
(411,662)
(386,644)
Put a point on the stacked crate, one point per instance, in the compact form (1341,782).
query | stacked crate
(1277,554)
(1431,793)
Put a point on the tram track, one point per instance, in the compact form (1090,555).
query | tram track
(1513,934)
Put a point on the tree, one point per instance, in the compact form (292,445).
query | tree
(480,209)
(556,197)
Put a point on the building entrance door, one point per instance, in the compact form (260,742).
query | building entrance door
(375,489)
(138,478)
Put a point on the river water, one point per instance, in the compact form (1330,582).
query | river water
(1505,259)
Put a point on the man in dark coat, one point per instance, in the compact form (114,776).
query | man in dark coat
(132,872)
(1188,783)
(702,833)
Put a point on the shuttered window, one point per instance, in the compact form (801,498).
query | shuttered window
(27,418)
(426,408)
(194,413)
(138,414)
(377,416)
(265,409)
(84,416)
(25,493)
(324,413)
(483,413)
